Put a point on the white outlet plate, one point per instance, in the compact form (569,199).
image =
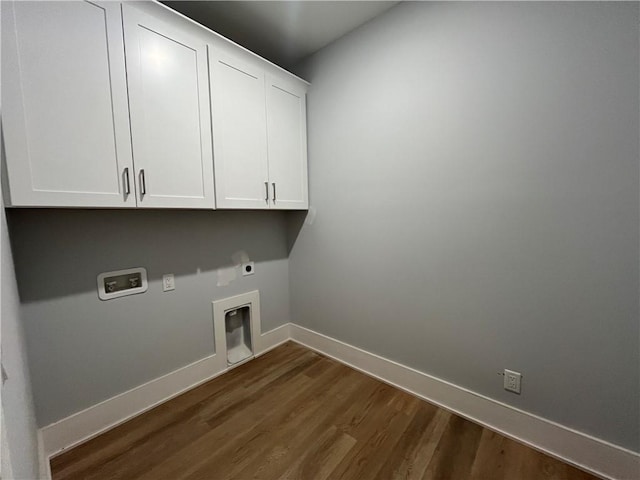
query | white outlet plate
(512,381)
(168,282)
(248,268)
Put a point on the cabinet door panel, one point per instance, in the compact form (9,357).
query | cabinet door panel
(65,118)
(240,133)
(170,113)
(287,139)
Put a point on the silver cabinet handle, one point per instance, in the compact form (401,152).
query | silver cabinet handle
(274,192)
(127,185)
(266,191)
(143,183)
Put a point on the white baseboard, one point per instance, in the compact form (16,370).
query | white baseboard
(86,424)
(274,338)
(44,467)
(588,453)
(579,449)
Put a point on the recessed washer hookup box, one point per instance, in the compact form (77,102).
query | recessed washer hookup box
(120,283)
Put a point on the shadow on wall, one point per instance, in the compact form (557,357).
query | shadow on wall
(295,222)
(60,252)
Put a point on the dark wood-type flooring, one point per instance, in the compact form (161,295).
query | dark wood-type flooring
(294,414)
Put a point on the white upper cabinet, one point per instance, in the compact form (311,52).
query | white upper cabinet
(259,131)
(64,100)
(170,113)
(240,133)
(287,141)
(127,104)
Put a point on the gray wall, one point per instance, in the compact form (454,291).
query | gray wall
(474,167)
(17,403)
(83,350)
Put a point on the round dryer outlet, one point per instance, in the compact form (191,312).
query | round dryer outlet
(248,269)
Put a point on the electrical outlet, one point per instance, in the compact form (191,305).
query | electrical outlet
(248,268)
(512,381)
(168,282)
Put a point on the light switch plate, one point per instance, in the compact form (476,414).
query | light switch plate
(168,282)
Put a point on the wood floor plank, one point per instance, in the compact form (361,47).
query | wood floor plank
(287,433)
(298,433)
(456,451)
(228,437)
(384,432)
(406,402)
(293,414)
(178,426)
(530,464)
(490,458)
(119,441)
(354,421)
(411,455)
(320,460)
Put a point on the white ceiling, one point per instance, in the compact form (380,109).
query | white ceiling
(281,31)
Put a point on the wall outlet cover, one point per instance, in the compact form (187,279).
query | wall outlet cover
(512,381)
(168,282)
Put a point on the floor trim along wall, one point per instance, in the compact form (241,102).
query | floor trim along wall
(44,468)
(86,424)
(586,452)
(581,450)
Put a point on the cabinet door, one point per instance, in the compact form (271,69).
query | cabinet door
(170,113)
(287,139)
(64,98)
(239,132)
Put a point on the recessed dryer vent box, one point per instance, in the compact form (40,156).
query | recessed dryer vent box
(122,282)
(236,322)
(237,325)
